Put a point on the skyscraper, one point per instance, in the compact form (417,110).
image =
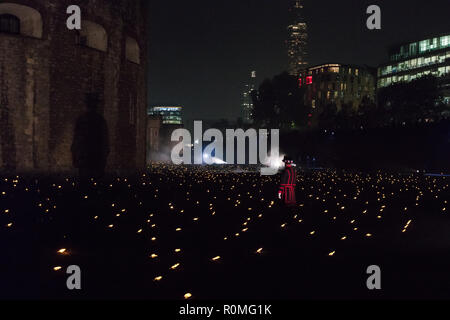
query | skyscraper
(297,38)
(247,102)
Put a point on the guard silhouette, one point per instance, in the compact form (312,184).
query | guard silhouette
(288,183)
(90,147)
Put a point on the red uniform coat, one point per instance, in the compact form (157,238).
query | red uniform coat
(287,186)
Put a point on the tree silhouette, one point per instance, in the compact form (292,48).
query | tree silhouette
(279,103)
(327,118)
(409,102)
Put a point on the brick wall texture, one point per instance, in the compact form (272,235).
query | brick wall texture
(43,82)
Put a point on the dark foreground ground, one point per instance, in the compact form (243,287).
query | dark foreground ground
(344,222)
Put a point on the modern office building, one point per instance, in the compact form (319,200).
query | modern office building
(297,39)
(337,83)
(247,101)
(412,60)
(169,114)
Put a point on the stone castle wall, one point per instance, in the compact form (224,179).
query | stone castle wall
(46,70)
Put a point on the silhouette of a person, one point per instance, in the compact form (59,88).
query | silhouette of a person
(288,183)
(90,147)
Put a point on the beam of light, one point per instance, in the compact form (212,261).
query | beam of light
(218,161)
(275,162)
(213,160)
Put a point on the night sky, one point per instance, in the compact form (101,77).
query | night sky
(202,51)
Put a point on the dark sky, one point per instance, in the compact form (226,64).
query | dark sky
(202,51)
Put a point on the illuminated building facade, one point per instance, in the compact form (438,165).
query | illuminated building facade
(297,39)
(170,115)
(337,83)
(247,102)
(413,60)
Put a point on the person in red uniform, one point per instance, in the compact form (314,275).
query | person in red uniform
(288,183)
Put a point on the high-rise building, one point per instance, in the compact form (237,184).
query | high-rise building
(297,39)
(247,102)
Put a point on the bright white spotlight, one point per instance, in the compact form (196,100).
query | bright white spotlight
(275,162)
(218,161)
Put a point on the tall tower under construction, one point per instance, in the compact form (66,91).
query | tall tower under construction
(297,38)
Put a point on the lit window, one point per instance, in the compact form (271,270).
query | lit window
(434,43)
(423,45)
(412,48)
(308,79)
(445,41)
(334,69)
